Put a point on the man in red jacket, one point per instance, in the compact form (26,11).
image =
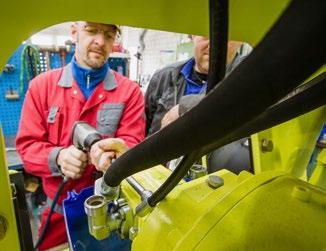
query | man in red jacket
(84,90)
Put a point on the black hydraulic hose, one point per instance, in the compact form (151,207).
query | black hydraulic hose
(174,178)
(289,53)
(218,18)
(218,30)
(47,222)
(302,100)
(219,21)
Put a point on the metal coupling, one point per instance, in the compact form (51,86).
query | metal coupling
(102,222)
(146,194)
(96,208)
(143,208)
(197,171)
(110,193)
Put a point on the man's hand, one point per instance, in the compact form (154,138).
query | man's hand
(170,116)
(72,162)
(105,151)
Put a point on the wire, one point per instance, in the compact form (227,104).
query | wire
(174,178)
(47,222)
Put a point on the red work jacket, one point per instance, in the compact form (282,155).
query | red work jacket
(52,104)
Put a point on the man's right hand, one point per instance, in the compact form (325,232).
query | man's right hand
(72,162)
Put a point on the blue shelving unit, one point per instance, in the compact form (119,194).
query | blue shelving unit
(11,109)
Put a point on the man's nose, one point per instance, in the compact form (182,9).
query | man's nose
(207,43)
(100,38)
(205,47)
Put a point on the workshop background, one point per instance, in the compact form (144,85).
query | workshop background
(137,54)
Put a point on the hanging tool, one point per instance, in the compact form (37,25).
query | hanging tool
(47,60)
(12,94)
(63,54)
(9,68)
(30,65)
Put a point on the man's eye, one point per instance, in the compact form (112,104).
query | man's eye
(108,35)
(91,30)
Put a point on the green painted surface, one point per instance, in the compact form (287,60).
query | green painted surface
(318,177)
(293,144)
(268,211)
(10,239)
(249,20)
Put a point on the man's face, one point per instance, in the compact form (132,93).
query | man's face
(94,43)
(201,46)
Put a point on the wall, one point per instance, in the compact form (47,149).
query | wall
(160,50)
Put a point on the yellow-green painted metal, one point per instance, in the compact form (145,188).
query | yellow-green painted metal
(268,211)
(283,213)
(249,19)
(152,179)
(318,177)
(293,143)
(257,212)
(9,237)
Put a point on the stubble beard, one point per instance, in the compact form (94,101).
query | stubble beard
(94,63)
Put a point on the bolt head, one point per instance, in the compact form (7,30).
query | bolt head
(267,145)
(215,181)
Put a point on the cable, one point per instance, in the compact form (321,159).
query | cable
(174,178)
(218,29)
(47,222)
(29,56)
(301,100)
(218,15)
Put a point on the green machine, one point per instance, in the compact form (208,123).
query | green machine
(276,208)
(8,229)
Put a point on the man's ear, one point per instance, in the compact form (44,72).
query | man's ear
(74,32)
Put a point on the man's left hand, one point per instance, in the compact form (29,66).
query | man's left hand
(170,116)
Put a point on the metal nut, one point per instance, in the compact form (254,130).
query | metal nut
(197,171)
(267,145)
(133,231)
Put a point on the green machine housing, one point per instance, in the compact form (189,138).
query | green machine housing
(276,208)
